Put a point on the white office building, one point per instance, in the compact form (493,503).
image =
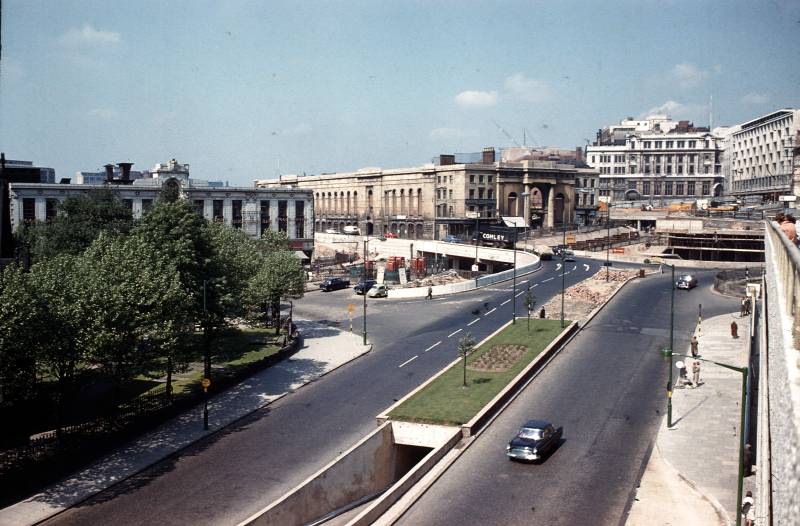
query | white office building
(763,156)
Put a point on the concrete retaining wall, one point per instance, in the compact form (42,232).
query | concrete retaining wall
(365,469)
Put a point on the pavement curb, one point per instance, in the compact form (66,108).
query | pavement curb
(180,450)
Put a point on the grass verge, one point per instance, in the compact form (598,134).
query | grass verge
(446,402)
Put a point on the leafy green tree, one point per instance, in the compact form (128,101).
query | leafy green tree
(137,307)
(79,221)
(465,347)
(21,320)
(237,257)
(272,240)
(280,276)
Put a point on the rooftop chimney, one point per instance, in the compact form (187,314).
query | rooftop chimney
(125,170)
(488,155)
(109,172)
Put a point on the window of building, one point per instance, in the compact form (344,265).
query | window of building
(679,188)
(451,179)
(471,178)
(264,215)
(282,216)
(480,179)
(472,193)
(50,208)
(217,206)
(691,169)
(681,144)
(299,218)
(657,188)
(646,144)
(692,144)
(199,206)
(646,188)
(29,209)
(147,204)
(128,203)
(668,188)
(690,188)
(669,144)
(706,188)
(657,145)
(489,179)
(593,160)
(480,193)
(450,193)
(489,193)
(680,168)
(236,213)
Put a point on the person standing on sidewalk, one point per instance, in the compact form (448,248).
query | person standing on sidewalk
(748,511)
(430,293)
(696,373)
(694,344)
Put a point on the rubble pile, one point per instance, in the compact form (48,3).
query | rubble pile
(442,278)
(615,275)
(581,299)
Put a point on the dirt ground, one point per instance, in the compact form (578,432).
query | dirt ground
(581,299)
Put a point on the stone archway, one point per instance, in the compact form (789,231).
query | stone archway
(632,195)
(717,189)
(419,231)
(559,202)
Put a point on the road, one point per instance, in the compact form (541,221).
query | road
(607,388)
(238,471)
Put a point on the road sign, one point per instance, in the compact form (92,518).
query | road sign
(570,239)
(472,215)
(351,307)
(206,383)
(787,198)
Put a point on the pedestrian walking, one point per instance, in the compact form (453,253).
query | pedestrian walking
(683,379)
(746,273)
(694,344)
(748,302)
(430,293)
(696,373)
(748,511)
(743,307)
(734,330)
(748,460)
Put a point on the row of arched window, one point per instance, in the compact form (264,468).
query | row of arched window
(395,202)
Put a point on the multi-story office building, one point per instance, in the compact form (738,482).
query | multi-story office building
(587,187)
(763,155)
(440,198)
(657,158)
(255,210)
(16,172)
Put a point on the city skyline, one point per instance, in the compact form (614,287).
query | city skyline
(243,91)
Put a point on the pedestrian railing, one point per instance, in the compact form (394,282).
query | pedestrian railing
(785,259)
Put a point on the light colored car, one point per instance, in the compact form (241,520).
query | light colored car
(378,291)
(686,282)
(331,231)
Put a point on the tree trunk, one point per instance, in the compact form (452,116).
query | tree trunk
(169,378)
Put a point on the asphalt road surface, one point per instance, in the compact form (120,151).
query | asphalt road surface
(238,471)
(607,389)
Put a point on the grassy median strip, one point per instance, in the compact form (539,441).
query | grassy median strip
(445,401)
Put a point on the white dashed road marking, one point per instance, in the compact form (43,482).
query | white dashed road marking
(476,320)
(507,301)
(432,346)
(408,361)
(453,333)
(491,311)
(548,279)
(520,294)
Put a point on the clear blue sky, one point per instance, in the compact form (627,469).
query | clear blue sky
(245,89)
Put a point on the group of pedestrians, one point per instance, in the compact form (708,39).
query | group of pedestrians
(683,377)
(786,222)
(746,306)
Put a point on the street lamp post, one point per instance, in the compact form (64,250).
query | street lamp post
(514,286)
(669,352)
(364,279)
(563,256)
(526,209)
(608,240)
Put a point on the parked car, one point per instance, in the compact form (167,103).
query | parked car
(352,230)
(378,291)
(331,231)
(390,235)
(450,238)
(363,286)
(534,440)
(330,284)
(686,282)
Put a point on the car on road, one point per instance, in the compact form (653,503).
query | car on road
(450,238)
(330,284)
(534,440)
(568,255)
(332,231)
(378,291)
(686,282)
(362,287)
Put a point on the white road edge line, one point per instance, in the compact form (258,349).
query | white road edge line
(453,333)
(520,294)
(476,320)
(491,311)
(507,301)
(408,361)
(432,346)
(548,279)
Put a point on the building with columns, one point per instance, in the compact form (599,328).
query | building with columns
(255,210)
(440,198)
(657,158)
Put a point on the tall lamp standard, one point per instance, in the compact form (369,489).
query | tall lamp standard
(476,216)
(526,209)
(668,352)
(563,254)
(514,287)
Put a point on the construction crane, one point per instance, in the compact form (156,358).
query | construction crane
(506,134)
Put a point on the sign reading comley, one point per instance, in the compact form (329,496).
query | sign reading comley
(490,236)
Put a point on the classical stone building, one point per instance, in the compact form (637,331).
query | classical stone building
(657,158)
(289,210)
(440,198)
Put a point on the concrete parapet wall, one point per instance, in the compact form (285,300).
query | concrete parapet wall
(365,469)
(782,302)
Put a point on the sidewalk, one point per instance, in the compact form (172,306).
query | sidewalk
(324,349)
(691,475)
